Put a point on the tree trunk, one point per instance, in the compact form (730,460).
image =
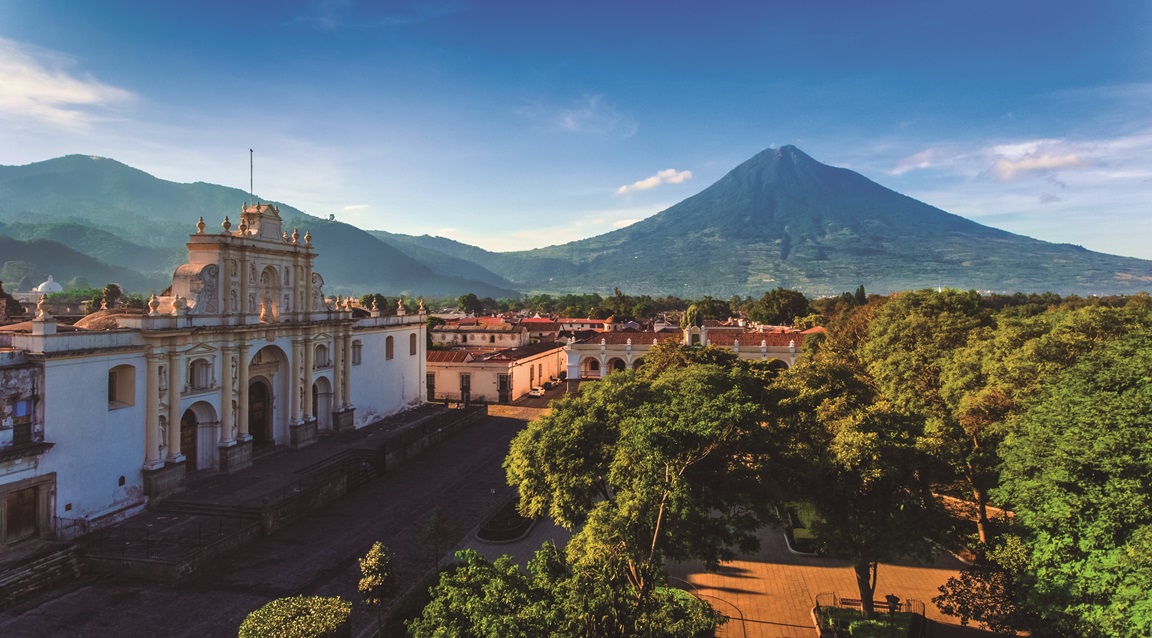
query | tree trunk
(866,581)
(983,525)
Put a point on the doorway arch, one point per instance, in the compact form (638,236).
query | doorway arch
(260,411)
(322,403)
(198,436)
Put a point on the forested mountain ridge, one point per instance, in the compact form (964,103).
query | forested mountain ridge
(783,219)
(780,219)
(139,224)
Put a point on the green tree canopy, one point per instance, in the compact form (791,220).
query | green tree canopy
(665,468)
(1078,474)
(856,459)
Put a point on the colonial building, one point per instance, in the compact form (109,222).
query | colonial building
(495,376)
(606,352)
(244,353)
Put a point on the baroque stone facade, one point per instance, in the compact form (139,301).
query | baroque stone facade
(244,352)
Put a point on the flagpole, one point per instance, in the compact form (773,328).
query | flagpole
(251,196)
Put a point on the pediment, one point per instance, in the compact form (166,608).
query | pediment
(200,350)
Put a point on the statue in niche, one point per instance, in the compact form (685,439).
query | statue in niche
(234,305)
(235,372)
(163,435)
(252,272)
(286,278)
(163,385)
(207,294)
(251,303)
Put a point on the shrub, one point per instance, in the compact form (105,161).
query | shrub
(300,617)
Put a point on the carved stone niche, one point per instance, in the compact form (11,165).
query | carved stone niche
(200,284)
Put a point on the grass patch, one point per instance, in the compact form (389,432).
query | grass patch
(882,625)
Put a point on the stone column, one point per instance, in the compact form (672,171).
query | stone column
(346,366)
(174,455)
(242,393)
(294,385)
(309,363)
(337,381)
(152,458)
(227,417)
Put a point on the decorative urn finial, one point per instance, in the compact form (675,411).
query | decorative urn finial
(227,224)
(200,226)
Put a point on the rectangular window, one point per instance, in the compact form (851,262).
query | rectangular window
(356,347)
(465,381)
(389,348)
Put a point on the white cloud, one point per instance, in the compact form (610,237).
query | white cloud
(624,223)
(591,114)
(355,207)
(666,176)
(1008,170)
(37,84)
(927,158)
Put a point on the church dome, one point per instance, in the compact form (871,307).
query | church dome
(49,286)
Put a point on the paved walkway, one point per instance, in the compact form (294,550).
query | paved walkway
(770,593)
(316,555)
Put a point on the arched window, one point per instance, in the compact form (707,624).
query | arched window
(356,349)
(412,343)
(388,348)
(121,387)
(322,358)
(200,374)
(594,365)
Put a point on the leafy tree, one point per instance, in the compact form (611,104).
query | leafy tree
(860,298)
(909,340)
(377,299)
(856,460)
(377,577)
(497,599)
(113,294)
(665,468)
(299,617)
(669,354)
(470,304)
(1078,474)
(437,533)
(780,307)
(992,592)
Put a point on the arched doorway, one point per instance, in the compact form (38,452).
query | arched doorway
(198,436)
(591,368)
(190,440)
(260,412)
(616,365)
(322,403)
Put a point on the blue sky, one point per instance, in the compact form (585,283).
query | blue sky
(522,124)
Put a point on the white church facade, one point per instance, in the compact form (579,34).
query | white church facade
(245,352)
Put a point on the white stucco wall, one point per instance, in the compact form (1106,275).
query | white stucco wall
(382,386)
(94,445)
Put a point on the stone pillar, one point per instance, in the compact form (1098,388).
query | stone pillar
(295,373)
(152,458)
(337,381)
(309,363)
(174,455)
(227,416)
(242,393)
(346,366)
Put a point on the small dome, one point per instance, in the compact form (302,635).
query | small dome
(49,286)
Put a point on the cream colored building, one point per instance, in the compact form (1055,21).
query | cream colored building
(245,353)
(606,352)
(499,376)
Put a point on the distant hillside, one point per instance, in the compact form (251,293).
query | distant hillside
(784,219)
(28,263)
(441,262)
(779,219)
(130,219)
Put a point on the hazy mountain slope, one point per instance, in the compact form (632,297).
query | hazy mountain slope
(782,218)
(93,204)
(103,245)
(440,262)
(25,264)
